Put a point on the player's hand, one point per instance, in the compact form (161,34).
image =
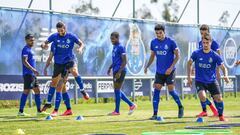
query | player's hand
(79,50)
(145,70)
(45,71)
(44,46)
(238,62)
(189,81)
(118,74)
(35,72)
(109,72)
(226,79)
(168,71)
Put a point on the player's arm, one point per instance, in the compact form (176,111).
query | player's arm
(49,61)
(109,70)
(189,72)
(238,62)
(177,57)
(150,61)
(225,72)
(26,64)
(81,46)
(124,63)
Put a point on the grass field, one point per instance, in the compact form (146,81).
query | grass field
(96,120)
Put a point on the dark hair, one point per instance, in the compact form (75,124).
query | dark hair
(207,36)
(60,24)
(204,27)
(115,34)
(159,27)
(29,36)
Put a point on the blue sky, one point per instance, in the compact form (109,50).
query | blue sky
(210,10)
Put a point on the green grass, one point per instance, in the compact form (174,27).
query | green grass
(96,120)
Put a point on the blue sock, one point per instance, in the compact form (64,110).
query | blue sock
(79,82)
(38,102)
(208,102)
(50,94)
(125,98)
(117,100)
(176,97)
(66,100)
(220,108)
(22,102)
(156,97)
(58,100)
(215,103)
(204,106)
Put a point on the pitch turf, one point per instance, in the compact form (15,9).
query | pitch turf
(96,120)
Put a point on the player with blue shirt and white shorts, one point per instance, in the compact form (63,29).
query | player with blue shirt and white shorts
(64,61)
(118,68)
(204,29)
(29,76)
(206,62)
(166,51)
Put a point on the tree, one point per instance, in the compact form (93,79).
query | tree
(86,7)
(170,11)
(223,20)
(144,13)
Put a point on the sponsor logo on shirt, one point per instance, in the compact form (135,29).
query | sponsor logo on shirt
(63,46)
(203,65)
(161,52)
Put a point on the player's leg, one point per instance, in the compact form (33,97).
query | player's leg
(38,100)
(58,69)
(171,88)
(72,67)
(66,98)
(158,83)
(58,99)
(27,87)
(214,89)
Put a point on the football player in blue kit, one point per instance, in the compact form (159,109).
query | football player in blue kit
(64,60)
(118,68)
(29,76)
(206,61)
(167,53)
(204,29)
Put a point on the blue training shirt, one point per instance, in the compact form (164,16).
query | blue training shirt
(164,51)
(205,65)
(63,47)
(117,52)
(27,52)
(214,45)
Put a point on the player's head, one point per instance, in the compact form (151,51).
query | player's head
(206,41)
(114,38)
(160,31)
(29,38)
(61,28)
(204,29)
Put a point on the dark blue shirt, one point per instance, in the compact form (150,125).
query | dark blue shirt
(28,53)
(63,47)
(164,51)
(214,45)
(117,52)
(205,65)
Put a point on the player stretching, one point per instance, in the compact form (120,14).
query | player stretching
(29,76)
(167,53)
(118,66)
(64,59)
(206,62)
(204,29)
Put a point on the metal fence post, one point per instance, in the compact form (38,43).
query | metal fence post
(181,90)
(133,89)
(75,93)
(222,87)
(167,93)
(96,91)
(30,97)
(235,87)
(150,90)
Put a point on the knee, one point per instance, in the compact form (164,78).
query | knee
(202,96)
(158,86)
(26,91)
(217,98)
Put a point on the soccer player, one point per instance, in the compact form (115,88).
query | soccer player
(118,67)
(204,29)
(61,88)
(64,59)
(206,62)
(29,76)
(167,53)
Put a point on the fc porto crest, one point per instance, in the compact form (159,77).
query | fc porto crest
(166,47)
(210,60)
